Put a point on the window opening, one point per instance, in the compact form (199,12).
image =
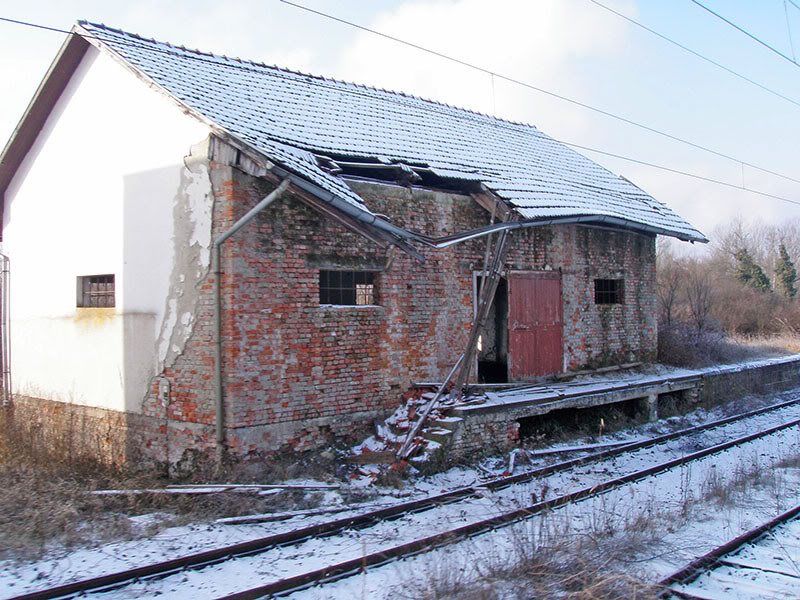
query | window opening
(96,291)
(608,291)
(347,288)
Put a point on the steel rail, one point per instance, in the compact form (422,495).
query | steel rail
(358,565)
(396,511)
(711,559)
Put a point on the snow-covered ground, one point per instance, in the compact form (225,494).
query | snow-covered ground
(681,508)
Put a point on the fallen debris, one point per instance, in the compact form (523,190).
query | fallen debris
(215,488)
(197,491)
(239,486)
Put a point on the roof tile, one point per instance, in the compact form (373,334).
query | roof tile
(287,115)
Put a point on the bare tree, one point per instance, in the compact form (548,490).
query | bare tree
(668,284)
(699,294)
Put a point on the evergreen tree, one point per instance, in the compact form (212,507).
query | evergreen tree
(749,273)
(786,273)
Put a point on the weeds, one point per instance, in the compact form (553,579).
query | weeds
(46,504)
(681,345)
(541,562)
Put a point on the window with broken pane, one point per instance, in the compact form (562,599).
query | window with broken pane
(96,291)
(347,288)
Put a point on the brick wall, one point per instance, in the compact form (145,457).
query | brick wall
(299,374)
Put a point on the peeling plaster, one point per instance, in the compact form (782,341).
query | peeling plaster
(192,218)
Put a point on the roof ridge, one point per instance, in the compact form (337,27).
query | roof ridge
(363,86)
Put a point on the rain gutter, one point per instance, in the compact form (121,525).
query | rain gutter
(363,215)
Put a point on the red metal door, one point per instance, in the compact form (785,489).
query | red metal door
(535,324)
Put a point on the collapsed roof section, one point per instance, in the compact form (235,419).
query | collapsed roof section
(317,130)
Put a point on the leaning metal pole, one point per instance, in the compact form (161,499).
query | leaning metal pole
(488,289)
(490,281)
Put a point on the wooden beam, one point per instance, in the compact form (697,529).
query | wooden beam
(494,203)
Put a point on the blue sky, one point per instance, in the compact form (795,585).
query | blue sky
(571,47)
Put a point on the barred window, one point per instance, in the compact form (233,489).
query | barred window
(608,291)
(96,291)
(348,288)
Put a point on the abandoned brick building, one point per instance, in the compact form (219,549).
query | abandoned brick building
(136,305)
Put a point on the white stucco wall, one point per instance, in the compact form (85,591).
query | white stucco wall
(97,194)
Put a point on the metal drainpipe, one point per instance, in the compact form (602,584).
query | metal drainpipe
(220,423)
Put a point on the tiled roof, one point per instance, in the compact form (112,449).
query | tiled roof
(291,116)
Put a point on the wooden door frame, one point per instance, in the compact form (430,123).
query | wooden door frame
(475,274)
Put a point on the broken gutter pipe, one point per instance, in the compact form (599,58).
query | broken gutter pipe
(365,216)
(219,398)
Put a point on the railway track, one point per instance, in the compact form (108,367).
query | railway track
(762,563)
(205,559)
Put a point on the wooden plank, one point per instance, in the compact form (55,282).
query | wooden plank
(493,203)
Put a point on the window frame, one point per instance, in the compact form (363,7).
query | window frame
(609,292)
(96,291)
(347,287)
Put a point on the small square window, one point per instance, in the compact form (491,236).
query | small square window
(96,291)
(347,288)
(608,291)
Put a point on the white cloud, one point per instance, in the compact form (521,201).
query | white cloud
(541,42)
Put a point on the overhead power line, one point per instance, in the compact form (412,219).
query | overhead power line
(795,4)
(685,173)
(789,29)
(35,25)
(433,107)
(695,53)
(544,91)
(747,33)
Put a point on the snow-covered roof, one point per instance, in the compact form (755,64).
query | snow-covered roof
(291,117)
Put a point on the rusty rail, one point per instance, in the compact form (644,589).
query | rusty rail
(358,565)
(709,560)
(218,555)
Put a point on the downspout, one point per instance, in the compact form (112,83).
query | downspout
(219,405)
(5,331)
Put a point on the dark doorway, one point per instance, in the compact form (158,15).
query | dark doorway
(493,343)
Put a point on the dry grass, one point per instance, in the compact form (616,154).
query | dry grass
(46,504)
(681,345)
(600,561)
(781,343)
(548,564)
(726,491)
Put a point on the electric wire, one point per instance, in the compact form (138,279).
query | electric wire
(695,53)
(541,90)
(793,3)
(433,107)
(679,172)
(744,31)
(789,29)
(547,92)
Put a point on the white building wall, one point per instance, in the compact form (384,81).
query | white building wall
(104,190)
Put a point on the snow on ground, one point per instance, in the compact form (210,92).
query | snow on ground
(686,526)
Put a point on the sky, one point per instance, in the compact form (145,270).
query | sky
(572,48)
